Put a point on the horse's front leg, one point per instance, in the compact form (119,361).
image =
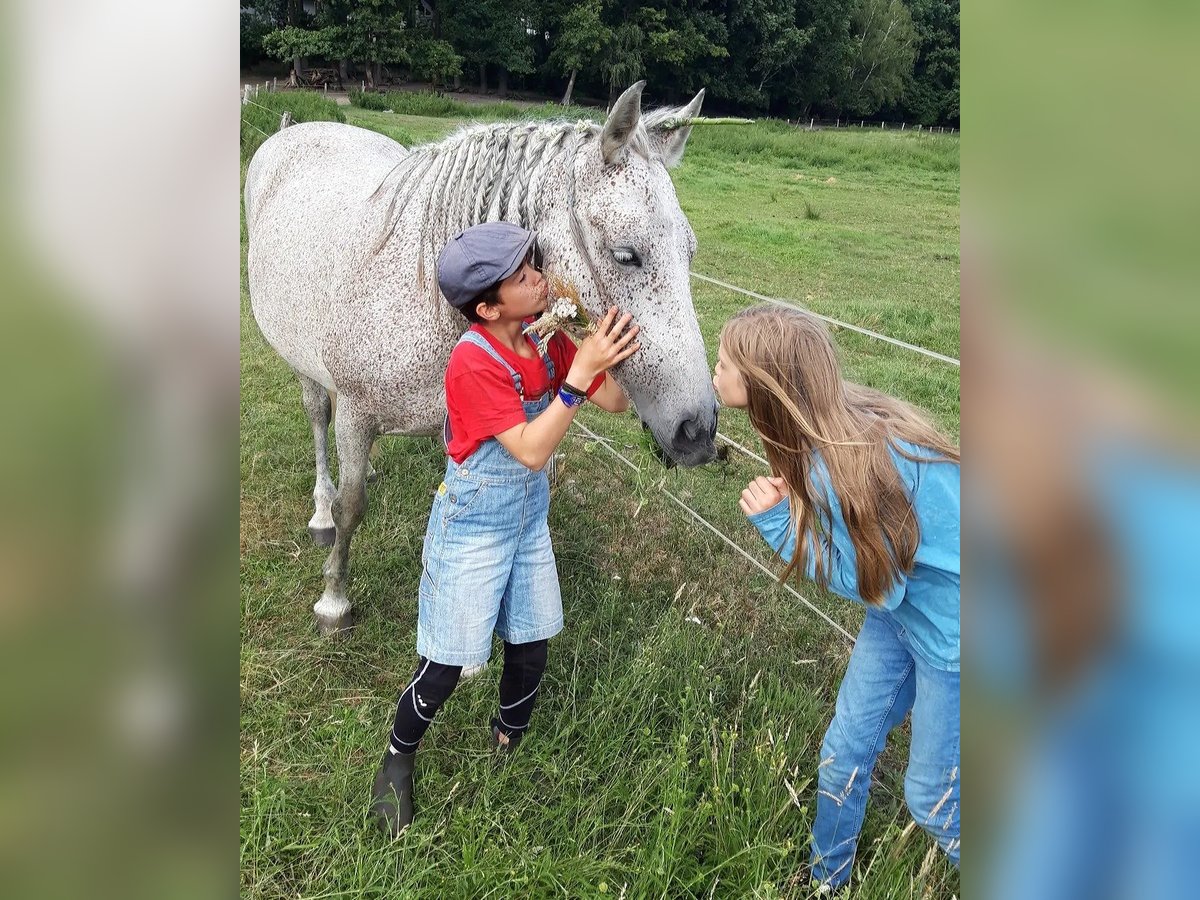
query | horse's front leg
(354,435)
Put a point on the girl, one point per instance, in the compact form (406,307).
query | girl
(488,563)
(863,499)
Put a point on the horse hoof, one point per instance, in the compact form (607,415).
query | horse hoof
(471,671)
(337,627)
(322,537)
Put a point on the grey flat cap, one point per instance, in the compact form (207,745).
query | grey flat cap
(480,257)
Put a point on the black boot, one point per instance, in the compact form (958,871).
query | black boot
(391,795)
(507,743)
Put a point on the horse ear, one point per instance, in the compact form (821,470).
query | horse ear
(671,143)
(620,124)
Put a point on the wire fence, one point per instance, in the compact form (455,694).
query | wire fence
(699,519)
(832,321)
(815,124)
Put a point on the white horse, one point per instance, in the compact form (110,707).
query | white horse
(345,226)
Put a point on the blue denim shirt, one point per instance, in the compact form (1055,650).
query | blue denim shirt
(924,603)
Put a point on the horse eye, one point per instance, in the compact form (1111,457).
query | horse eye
(627,256)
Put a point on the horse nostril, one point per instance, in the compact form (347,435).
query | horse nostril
(690,431)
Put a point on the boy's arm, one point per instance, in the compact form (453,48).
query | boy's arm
(610,397)
(533,443)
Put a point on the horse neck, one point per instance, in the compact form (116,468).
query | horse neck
(491,173)
(487,173)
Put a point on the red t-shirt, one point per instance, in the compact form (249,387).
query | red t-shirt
(481,397)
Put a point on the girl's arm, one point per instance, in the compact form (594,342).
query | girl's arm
(766,503)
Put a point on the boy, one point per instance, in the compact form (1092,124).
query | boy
(487,562)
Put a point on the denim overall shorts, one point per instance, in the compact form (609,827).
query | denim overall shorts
(488,565)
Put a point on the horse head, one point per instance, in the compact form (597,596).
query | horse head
(624,241)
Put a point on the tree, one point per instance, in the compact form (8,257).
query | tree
(782,45)
(490,33)
(772,48)
(296,44)
(819,77)
(372,32)
(933,96)
(258,19)
(292,40)
(683,33)
(622,63)
(434,59)
(885,49)
(580,35)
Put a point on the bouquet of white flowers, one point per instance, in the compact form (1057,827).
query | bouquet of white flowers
(563,310)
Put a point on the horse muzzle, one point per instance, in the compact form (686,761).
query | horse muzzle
(692,440)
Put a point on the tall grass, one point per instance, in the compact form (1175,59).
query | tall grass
(777,142)
(260,117)
(425,103)
(770,141)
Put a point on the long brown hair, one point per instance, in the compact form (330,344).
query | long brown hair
(799,403)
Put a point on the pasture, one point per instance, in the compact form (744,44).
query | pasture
(674,747)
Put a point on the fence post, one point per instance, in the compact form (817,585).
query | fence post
(860,122)
(810,124)
(902,124)
(245,94)
(274,84)
(285,120)
(363,89)
(837,124)
(881,126)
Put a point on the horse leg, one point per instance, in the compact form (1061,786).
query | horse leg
(319,408)
(354,435)
(372,475)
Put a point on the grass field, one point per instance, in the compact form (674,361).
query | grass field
(675,743)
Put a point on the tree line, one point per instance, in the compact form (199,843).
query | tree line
(891,59)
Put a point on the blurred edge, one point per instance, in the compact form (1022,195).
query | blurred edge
(1080,342)
(118,537)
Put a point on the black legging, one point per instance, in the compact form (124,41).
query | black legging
(523,668)
(432,683)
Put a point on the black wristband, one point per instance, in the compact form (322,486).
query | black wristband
(573,391)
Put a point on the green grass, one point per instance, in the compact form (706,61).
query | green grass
(425,103)
(260,117)
(663,750)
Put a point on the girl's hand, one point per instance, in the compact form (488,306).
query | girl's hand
(762,493)
(610,344)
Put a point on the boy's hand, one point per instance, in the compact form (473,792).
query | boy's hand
(762,493)
(610,344)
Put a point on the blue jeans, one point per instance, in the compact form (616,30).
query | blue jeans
(884,680)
